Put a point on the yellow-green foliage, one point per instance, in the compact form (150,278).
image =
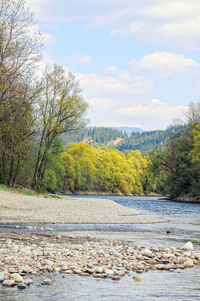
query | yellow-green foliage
(196,144)
(98,168)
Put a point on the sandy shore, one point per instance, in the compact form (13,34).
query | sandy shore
(19,208)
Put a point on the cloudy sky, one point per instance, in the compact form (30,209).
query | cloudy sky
(138,61)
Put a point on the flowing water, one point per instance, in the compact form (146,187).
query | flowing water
(183,285)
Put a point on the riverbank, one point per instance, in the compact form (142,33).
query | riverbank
(19,208)
(187,199)
(94,193)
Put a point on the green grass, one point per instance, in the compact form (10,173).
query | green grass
(28,192)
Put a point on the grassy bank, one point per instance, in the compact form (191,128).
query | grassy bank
(28,192)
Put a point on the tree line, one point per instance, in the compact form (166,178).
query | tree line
(34,110)
(142,141)
(175,171)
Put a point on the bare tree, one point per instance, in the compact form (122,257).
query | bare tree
(19,49)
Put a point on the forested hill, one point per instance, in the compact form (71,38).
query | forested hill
(143,141)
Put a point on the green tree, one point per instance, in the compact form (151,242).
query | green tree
(19,53)
(61,110)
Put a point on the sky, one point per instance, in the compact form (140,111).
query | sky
(137,61)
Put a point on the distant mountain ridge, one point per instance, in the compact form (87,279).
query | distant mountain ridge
(124,129)
(129,130)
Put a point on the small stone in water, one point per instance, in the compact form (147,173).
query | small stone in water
(28,281)
(188,246)
(116,278)
(47,281)
(91,236)
(138,279)
(21,286)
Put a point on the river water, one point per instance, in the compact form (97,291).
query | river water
(183,285)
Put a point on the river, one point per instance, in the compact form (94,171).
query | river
(180,285)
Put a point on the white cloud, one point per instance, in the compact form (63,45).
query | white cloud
(165,63)
(82,59)
(171,23)
(122,84)
(150,115)
(172,9)
(99,103)
(112,69)
(156,101)
(154,108)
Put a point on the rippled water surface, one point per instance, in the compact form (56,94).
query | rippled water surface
(183,285)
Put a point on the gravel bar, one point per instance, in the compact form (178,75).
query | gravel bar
(19,208)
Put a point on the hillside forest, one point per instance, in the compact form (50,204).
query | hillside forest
(45,146)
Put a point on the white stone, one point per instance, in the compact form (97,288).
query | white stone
(28,281)
(188,246)
(146,252)
(98,270)
(109,272)
(2,277)
(16,277)
(91,236)
(47,281)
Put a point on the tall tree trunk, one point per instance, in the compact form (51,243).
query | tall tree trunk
(34,180)
(11,171)
(16,172)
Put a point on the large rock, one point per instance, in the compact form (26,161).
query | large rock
(16,277)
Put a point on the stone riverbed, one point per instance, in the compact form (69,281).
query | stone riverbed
(24,256)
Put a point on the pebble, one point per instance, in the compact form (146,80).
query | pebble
(2,277)
(47,281)
(98,270)
(146,252)
(16,277)
(138,279)
(8,283)
(188,246)
(116,278)
(28,281)
(91,236)
(21,286)
(27,270)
